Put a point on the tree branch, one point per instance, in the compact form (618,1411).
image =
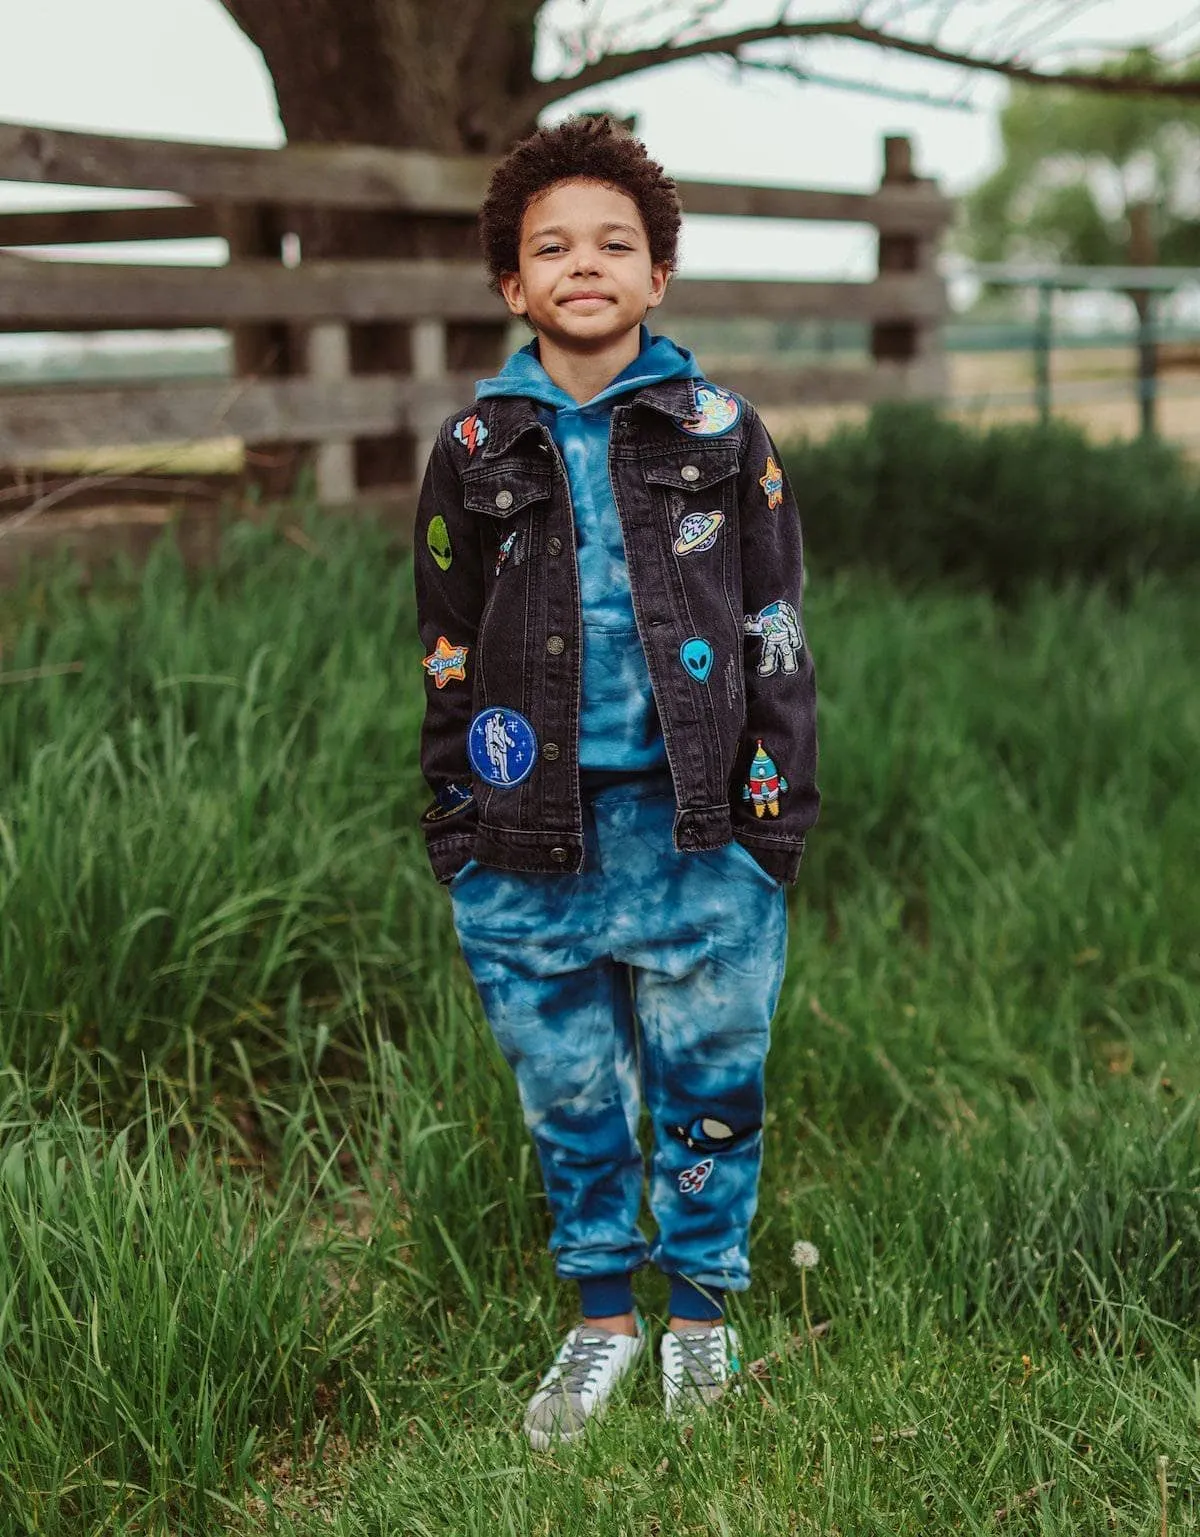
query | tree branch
(615,66)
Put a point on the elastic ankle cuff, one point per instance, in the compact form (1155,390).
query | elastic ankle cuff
(691,1300)
(605,1296)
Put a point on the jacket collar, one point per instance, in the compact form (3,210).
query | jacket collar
(511,416)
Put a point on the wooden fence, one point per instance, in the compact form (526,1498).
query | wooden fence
(329,396)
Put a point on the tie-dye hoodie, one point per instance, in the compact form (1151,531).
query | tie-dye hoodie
(618,727)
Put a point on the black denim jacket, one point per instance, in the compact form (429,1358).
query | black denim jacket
(713,546)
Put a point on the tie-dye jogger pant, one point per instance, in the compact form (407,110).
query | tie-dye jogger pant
(652,974)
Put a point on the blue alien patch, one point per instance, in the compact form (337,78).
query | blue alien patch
(717,412)
(697,657)
(502,747)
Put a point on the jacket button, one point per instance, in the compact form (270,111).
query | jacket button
(554,545)
(555,644)
(559,856)
(504,500)
(550,751)
(688,472)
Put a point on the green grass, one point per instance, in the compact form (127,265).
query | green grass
(273,1254)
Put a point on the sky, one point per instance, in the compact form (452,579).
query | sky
(181,69)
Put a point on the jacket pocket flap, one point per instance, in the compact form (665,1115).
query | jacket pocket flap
(692,469)
(499,493)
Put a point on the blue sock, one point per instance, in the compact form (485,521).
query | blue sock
(604,1296)
(691,1300)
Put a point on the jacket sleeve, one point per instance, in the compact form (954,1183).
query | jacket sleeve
(448,573)
(774,795)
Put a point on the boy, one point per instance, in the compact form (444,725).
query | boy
(620,738)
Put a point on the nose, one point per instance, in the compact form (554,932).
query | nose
(587,261)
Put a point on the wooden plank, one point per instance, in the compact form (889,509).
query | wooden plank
(896,296)
(832,386)
(296,410)
(96,534)
(91,226)
(919,209)
(48,295)
(319,175)
(76,295)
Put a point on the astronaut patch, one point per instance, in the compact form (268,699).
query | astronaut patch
(765,784)
(502,747)
(471,432)
(692,1181)
(445,662)
(782,642)
(771,480)
(717,412)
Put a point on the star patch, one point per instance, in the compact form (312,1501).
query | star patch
(445,663)
(471,432)
(717,412)
(772,483)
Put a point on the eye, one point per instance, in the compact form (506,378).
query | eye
(617,245)
(550,248)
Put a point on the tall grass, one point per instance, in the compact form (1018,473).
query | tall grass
(273,1235)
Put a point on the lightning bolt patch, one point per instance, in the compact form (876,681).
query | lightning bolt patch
(471,432)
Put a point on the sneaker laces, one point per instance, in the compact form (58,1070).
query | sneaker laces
(587,1356)
(702,1352)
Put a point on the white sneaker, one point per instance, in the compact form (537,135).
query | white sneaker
(586,1370)
(697,1366)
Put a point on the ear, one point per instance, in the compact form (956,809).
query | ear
(659,273)
(514,294)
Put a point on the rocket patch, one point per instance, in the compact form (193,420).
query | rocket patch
(765,783)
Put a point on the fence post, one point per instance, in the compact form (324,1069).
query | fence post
(1142,253)
(429,368)
(907,341)
(254,232)
(327,349)
(1043,341)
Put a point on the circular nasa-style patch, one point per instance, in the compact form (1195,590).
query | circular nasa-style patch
(502,747)
(717,412)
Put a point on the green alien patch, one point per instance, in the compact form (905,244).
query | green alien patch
(437,538)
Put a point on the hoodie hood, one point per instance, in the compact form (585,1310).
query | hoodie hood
(659,359)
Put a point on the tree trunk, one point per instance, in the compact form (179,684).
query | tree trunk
(411,74)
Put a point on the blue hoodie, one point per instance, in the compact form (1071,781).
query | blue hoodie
(618,726)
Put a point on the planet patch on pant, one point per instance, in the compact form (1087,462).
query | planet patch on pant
(698,531)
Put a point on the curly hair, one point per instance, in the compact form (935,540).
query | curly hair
(584,148)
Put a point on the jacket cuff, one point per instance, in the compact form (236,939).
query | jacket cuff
(778,859)
(448,855)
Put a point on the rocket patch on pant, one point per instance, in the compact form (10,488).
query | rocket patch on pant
(693,1180)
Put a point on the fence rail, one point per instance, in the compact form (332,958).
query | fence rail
(341,356)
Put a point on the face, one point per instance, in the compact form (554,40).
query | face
(585,278)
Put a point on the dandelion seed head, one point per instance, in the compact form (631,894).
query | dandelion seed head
(805,1255)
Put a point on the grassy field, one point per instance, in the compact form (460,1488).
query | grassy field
(273,1255)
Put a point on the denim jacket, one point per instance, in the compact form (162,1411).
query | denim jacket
(713,546)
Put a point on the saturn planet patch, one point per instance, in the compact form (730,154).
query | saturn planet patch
(698,531)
